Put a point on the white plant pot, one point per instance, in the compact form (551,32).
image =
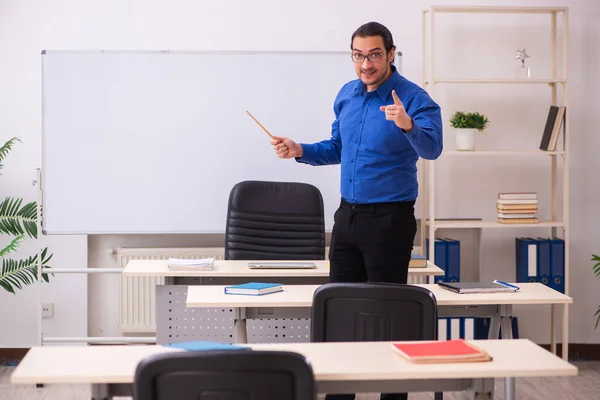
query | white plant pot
(465,139)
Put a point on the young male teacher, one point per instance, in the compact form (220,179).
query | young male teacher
(383,124)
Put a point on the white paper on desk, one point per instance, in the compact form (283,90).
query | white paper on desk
(191,263)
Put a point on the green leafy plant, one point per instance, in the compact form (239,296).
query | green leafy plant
(596,268)
(20,222)
(472,120)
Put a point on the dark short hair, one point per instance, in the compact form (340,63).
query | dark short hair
(374,29)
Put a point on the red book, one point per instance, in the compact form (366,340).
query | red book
(447,351)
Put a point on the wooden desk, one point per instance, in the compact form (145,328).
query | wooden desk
(238,268)
(498,306)
(338,367)
(168,291)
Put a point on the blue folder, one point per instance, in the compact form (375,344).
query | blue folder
(544,260)
(441,258)
(452,260)
(526,259)
(557,264)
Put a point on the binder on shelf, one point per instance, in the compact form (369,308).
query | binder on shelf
(441,259)
(544,260)
(557,264)
(451,328)
(526,254)
(453,260)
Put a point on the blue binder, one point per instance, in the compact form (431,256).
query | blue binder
(544,261)
(526,254)
(557,264)
(441,258)
(453,260)
(448,328)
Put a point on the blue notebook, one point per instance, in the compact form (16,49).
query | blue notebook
(206,346)
(254,288)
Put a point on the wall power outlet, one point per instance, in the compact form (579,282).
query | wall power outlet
(47,310)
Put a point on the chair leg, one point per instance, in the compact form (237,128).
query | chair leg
(438,396)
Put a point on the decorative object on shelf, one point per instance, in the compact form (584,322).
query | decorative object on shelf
(523,71)
(597,273)
(467,124)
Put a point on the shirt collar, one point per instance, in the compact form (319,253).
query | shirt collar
(385,89)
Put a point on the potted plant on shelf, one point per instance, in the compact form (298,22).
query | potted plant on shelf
(467,124)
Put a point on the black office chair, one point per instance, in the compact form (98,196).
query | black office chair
(275,221)
(356,312)
(225,375)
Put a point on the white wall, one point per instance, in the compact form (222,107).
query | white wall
(27,27)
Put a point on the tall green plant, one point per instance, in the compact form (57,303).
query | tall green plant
(596,268)
(20,222)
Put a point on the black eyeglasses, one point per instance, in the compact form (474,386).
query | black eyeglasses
(373,57)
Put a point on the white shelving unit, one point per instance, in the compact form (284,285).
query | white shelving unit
(559,222)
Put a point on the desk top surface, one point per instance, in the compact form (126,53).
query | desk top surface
(373,361)
(302,296)
(239,268)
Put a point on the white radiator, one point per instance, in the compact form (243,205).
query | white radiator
(137,311)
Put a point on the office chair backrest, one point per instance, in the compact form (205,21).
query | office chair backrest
(225,375)
(354,312)
(275,221)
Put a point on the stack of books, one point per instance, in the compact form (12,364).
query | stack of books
(254,288)
(447,351)
(517,208)
(185,264)
(417,261)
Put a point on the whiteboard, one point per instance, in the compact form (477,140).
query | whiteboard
(153,142)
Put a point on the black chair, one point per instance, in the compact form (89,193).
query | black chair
(355,312)
(275,221)
(224,375)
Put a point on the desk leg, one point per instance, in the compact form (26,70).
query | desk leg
(483,389)
(506,324)
(100,391)
(509,389)
(553,329)
(240,334)
(565,333)
(494,331)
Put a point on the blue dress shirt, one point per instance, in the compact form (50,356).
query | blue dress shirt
(378,159)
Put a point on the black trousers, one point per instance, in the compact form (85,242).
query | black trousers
(372,243)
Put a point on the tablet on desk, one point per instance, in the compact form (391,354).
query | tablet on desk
(281,265)
(478,287)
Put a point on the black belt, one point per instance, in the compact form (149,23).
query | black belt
(372,207)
